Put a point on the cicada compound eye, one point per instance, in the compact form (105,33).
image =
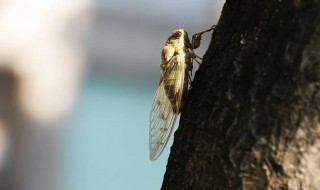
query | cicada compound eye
(178,34)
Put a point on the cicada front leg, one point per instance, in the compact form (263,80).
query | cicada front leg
(195,42)
(196,38)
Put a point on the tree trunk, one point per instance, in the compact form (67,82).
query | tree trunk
(252,118)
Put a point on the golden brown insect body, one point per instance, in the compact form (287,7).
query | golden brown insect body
(176,61)
(176,64)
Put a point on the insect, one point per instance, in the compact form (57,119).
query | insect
(176,63)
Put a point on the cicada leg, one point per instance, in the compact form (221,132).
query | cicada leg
(196,38)
(195,56)
(189,80)
(195,43)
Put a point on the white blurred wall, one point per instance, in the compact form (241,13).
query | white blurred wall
(41,47)
(38,42)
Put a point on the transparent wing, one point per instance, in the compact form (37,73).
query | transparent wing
(162,117)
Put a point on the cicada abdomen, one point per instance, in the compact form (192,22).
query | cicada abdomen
(175,82)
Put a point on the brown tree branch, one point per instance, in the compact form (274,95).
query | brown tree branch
(252,119)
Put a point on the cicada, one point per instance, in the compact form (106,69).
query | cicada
(176,64)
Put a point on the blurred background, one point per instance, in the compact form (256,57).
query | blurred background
(77,79)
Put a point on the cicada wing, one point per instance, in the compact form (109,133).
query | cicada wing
(162,117)
(160,120)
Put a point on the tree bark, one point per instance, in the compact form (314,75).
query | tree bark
(252,117)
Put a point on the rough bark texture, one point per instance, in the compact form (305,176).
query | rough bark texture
(252,119)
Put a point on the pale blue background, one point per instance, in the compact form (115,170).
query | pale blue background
(107,141)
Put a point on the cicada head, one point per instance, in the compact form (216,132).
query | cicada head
(177,36)
(178,33)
